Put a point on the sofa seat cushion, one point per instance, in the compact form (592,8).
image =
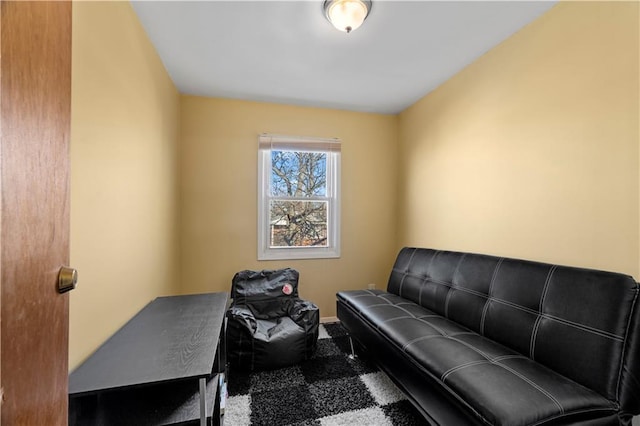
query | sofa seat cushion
(499,385)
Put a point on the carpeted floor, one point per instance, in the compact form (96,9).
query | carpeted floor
(328,390)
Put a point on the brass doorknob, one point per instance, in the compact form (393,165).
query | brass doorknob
(67,279)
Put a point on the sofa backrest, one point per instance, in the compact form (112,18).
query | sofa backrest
(581,323)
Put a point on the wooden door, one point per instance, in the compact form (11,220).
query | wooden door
(35,100)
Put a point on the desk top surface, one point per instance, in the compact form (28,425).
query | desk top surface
(171,338)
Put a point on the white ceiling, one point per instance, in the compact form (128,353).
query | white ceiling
(287,52)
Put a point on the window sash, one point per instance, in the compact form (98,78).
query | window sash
(301,185)
(320,227)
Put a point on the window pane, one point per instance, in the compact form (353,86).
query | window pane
(298,174)
(298,223)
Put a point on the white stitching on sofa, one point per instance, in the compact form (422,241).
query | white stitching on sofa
(452,286)
(478,362)
(382,304)
(450,337)
(535,385)
(389,302)
(583,327)
(418,339)
(438,329)
(426,276)
(404,275)
(365,294)
(462,366)
(470,346)
(486,304)
(397,305)
(406,272)
(496,362)
(396,318)
(409,303)
(545,289)
(534,332)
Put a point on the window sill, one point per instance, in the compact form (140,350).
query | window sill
(298,253)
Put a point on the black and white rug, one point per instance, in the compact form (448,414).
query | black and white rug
(328,390)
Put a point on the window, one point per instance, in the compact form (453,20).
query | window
(298,197)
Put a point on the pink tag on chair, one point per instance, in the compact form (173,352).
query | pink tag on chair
(287,289)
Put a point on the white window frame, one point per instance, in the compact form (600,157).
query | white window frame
(269,142)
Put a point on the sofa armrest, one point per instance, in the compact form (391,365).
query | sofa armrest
(629,382)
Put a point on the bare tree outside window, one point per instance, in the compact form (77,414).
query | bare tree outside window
(297,217)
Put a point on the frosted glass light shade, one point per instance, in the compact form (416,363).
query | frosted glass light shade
(346,15)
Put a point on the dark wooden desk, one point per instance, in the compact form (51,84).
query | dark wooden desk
(162,367)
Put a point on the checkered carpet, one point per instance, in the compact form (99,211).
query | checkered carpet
(328,390)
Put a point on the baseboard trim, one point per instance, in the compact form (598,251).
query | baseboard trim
(328,319)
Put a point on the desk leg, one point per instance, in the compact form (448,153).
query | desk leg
(203,402)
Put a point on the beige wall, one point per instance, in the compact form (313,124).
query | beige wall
(123,173)
(532,151)
(219,151)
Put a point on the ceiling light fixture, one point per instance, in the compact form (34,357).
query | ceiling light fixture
(347,15)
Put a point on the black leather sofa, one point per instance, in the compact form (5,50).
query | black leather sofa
(482,340)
